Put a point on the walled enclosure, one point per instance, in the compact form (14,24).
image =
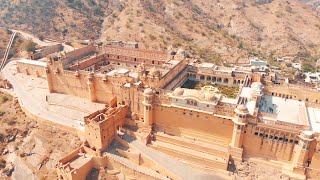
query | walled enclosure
(141,84)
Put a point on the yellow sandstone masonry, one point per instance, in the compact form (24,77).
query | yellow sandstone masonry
(143,89)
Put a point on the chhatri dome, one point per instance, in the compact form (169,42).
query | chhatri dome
(181,51)
(256,89)
(209,96)
(148,91)
(178,91)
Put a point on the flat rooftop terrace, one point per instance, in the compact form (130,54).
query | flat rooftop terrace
(132,70)
(314,118)
(80,160)
(285,110)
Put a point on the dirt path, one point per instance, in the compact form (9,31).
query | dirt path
(35,39)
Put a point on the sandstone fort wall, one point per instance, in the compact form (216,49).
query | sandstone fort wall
(31,69)
(201,126)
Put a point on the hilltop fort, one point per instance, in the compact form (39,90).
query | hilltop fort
(208,116)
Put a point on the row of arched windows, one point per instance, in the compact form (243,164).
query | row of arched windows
(292,97)
(215,79)
(194,103)
(275,137)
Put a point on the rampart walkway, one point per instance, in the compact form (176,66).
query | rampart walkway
(6,54)
(31,94)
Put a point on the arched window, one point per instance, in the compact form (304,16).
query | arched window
(201,77)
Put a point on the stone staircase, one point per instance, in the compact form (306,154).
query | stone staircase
(205,138)
(200,155)
(133,166)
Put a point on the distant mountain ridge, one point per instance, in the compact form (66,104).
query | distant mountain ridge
(217,30)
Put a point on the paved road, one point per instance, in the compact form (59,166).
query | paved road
(178,168)
(32,105)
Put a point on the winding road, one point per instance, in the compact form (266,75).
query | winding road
(44,42)
(32,105)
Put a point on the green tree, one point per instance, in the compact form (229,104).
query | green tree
(98,11)
(28,46)
(308,68)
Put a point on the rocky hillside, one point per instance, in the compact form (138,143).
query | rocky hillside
(315,4)
(5,36)
(215,30)
(4,40)
(58,19)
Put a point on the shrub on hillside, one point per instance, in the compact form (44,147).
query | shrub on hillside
(4,99)
(98,11)
(28,46)
(308,68)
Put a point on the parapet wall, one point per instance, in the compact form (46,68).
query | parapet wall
(175,76)
(73,83)
(46,51)
(169,77)
(200,126)
(294,92)
(130,168)
(66,82)
(78,53)
(31,69)
(138,55)
(87,63)
(269,142)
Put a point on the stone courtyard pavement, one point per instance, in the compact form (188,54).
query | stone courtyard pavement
(59,108)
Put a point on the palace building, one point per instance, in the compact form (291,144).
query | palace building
(207,115)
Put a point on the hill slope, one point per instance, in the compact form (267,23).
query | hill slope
(59,19)
(315,4)
(215,30)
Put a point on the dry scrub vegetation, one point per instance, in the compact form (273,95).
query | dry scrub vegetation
(217,31)
(28,148)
